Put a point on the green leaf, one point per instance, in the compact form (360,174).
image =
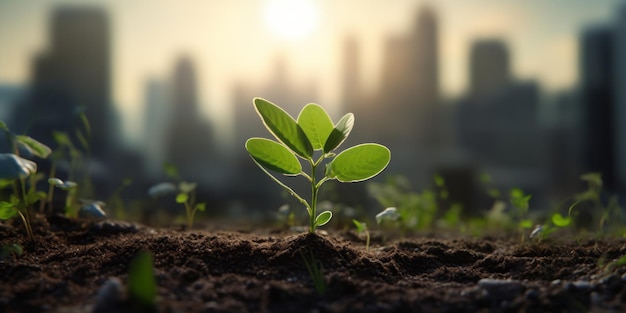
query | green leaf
(4,126)
(526,224)
(182,198)
(359,163)
(61,138)
(7,210)
(187,187)
(323,218)
(316,124)
(360,227)
(560,221)
(171,170)
(201,206)
(274,156)
(339,133)
(33,146)
(284,127)
(142,287)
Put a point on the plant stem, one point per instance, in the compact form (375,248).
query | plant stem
(314,189)
(24,215)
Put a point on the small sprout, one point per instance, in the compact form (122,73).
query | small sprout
(162,189)
(92,210)
(361,228)
(316,271)
(187,197)
(67,185)
(13,167)
(71,210)
(15,250)
(33,146)
(312,133)
(536,232)
(142,288)
(560,221)
(387,214)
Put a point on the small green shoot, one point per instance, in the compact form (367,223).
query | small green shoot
(313,131)
(187,197)
(11,250)
(71,207)
(520,201)
(390,214)
(361,228)
(315,270)
(142,288)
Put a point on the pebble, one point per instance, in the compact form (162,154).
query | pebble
(581,285)
(109,296)
(114,227)
(532,294)
(500,289)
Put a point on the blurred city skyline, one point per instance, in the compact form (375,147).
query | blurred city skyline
(232,42)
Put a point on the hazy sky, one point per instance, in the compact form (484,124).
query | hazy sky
(231,40)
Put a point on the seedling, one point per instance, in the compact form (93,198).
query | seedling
(313,131)
(361,228)
(71,207)
(11,250)
(142,288)
(187,197)
(520,201)
(315,270)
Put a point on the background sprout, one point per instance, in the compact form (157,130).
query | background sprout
(70,200)
(387,214)
(313,138)
(92,209)
(361,228)
(16,169)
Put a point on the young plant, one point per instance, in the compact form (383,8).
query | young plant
(520,201)
(315,270)
(142,287)
(14,170)
(361,228)
(313,131)
(71,207)
(187,197)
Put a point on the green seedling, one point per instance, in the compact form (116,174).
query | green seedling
(15,170)
(313,131)
(361,228)
(142,287)
(390,214)
(71,206)
(520,201)
(187,197)
(11,250)
(611,211)
(315,270)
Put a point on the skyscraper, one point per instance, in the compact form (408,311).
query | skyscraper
(489,67)
(189,138)
(597,66)
(71,77)
(620,88)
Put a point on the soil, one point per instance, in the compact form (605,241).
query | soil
(65,268)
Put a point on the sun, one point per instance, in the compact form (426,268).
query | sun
(291,19)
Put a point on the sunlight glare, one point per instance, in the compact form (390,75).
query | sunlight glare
(291,19)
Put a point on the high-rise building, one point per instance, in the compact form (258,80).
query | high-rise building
(157,110)
(189,138)
(597,72)
(489,70)
(71,77)
(351,83)
(620,87)
(410,80)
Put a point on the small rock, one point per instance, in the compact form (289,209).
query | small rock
(499,289)
(109,296)
(582,285)
(113,227)
(532,294)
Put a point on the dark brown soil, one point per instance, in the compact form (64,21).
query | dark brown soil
(213,271)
